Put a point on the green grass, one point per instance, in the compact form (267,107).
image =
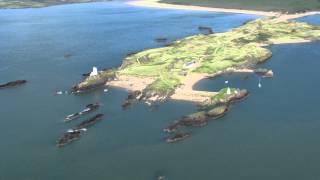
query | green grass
(163,86)
(263,5)
(222,94)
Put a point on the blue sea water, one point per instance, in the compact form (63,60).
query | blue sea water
(272,135)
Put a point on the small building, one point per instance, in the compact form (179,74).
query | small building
(189,64)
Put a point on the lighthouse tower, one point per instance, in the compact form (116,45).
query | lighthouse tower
(94,71)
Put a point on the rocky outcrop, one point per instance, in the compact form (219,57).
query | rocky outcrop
(92,82)
(161,40)
(75,133)
(90,122)
(177,137)
(133,97)
(12,84)
(69,137)
(266,73)
(217,107)
(205,30)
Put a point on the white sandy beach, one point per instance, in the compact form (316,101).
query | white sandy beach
(157,4)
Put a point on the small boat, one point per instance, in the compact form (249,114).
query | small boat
(259,84)
(89,108)
(59,93)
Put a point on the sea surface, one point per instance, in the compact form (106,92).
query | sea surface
(274,134)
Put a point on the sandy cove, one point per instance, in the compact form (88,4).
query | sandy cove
(183,93)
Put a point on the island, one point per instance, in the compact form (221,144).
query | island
(170,72)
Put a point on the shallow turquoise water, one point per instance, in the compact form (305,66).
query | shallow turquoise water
(273,134)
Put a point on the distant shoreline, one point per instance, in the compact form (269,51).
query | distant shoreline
(157,4)
(33,4)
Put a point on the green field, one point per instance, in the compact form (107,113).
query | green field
(11,4)
(264,5)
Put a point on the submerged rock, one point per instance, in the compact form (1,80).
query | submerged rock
(69,137)
(90,122)
(207,30)
(161,40)
(12,84)
(89,108)
(177,137)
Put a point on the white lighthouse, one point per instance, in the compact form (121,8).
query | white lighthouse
(94,71)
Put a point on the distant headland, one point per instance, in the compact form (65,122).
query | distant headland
(17,4)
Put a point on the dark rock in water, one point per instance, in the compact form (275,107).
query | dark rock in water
(67,55)
(241,95)
(126,104)
(177,137)
(172,128)
(89,108)
(132,97)
(218,111)
(207,30)
(90,122)
(198,119)
(161,40)
(86,74)
(69,137)
(266,73)
(12,84)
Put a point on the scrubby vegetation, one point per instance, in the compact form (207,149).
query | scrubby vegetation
(290,6)
(37,3)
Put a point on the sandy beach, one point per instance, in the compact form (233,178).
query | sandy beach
(183,93)
(157,4)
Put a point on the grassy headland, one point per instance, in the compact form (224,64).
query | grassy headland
(290,6)
(168,71)
(240,48)
(12,4)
